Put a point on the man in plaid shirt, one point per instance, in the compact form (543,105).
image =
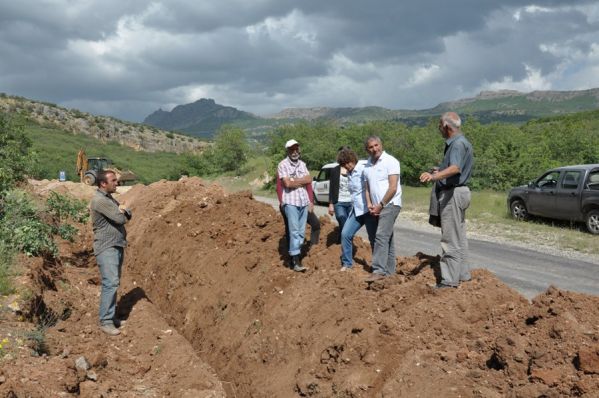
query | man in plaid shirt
(294,176)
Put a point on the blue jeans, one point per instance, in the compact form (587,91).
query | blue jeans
(342,211)
(351,227)
(110,262)
(296,219)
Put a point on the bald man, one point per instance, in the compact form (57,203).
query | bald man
(453,195)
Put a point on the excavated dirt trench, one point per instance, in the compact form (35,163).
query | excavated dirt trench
(214,265)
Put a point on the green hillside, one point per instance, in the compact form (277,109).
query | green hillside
(57,150)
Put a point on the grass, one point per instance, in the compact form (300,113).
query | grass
(250,180)
(488,216)
(6,270)
(57,150)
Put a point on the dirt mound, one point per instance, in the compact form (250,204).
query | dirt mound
(214,265)
(73,189)
(59,351)
(205,287)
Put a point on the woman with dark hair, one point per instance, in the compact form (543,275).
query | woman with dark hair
(340,203)
(358,215)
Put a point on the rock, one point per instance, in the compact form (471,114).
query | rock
(65,352)
(91,375)
(2,379)
(82,364)
(99,360)
(588,360)
(550,377)
(461,356)
(14,306)
(88,389)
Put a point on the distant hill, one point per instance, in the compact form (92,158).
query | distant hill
(204,117)
(104,128)
(514,106)
(200,118)
(488,106)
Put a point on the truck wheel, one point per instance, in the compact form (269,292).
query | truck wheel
(89,179)
(592,222)
(518,210)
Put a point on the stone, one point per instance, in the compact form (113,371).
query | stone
(550,377)
(88,389)
(588,360)
(82,363)
(91,375)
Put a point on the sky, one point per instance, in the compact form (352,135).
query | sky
(129,58)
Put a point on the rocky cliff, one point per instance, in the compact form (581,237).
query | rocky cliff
(134,135)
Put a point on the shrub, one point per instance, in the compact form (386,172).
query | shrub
(16,159)
(31,230)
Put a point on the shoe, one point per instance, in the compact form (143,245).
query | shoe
(443,286)
(299,268)
(110,330)
(345,269)
(375,277)
(296,264)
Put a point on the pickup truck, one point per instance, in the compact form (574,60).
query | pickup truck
(564,193)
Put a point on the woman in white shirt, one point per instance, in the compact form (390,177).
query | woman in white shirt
(359,211)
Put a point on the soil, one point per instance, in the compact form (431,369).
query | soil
(212,310)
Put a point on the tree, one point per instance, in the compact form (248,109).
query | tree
(231,149)
(16,159)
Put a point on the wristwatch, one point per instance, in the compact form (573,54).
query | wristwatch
(382,204)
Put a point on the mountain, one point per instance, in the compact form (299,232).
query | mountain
(200,118)
(204,117)
(104,128)
(488,106)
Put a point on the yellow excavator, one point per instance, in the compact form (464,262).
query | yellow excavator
(87,169)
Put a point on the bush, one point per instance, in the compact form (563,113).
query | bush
(6,258)
(31,230)
(22,228)
(16,160)
(228,154)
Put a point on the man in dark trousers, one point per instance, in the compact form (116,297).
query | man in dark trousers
(110,239)
(453,196)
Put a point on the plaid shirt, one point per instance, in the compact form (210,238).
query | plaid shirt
(294,196)
(108,222)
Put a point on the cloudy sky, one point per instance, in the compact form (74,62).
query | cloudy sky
(129,58)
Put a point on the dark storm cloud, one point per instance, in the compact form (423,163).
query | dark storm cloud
(129,58)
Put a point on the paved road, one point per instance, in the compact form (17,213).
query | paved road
(528,271)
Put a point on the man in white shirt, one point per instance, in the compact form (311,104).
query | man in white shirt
(383,198)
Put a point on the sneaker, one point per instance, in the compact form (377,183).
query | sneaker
(300,268)
(110,330)
(344,269)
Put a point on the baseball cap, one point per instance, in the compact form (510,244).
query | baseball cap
(291,143)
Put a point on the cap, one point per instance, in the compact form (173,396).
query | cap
(291,143)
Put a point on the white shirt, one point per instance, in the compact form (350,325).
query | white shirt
(344,195)
(377,177)
(356,188)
